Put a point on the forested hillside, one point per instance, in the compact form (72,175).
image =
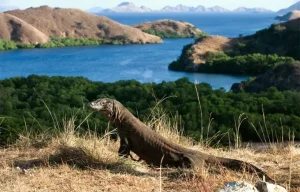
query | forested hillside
(22,106)
(253,54)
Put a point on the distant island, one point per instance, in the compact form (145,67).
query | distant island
(200,8)
(252,10)
(289,16)
(170,29)
(129,7)
(55,27)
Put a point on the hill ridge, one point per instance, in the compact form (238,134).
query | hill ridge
(75,23)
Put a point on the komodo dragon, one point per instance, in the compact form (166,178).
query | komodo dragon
(154,149)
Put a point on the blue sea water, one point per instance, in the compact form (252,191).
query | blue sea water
(145,63)
(224,24)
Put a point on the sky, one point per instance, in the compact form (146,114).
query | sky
(274,5)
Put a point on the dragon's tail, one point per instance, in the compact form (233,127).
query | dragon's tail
(234,164)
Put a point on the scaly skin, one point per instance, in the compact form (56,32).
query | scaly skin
(154,149)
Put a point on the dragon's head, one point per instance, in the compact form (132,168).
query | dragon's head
(105,106)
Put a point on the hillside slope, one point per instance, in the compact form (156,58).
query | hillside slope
(13,28)
(283,77)
(76,23)
(282,39)
(170,29)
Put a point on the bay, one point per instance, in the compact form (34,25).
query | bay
(145,63)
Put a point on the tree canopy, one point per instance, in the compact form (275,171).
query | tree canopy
(22,106)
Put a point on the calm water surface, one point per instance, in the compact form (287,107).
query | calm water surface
(145,63)
(224,24)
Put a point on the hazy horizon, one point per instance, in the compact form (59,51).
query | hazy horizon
(87,4)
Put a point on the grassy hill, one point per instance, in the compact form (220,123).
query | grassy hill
(13,28)
(38,25)
(278,40)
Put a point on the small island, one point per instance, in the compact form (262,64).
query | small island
(170,29)
(56,27)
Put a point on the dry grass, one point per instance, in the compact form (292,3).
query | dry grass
(69,162)
(210,44)
(13,28)
(75,23)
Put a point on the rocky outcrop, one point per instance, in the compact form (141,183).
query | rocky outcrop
(76,23)
(289,16)
(269,187)
(13,28)
(283,77)
(239,186)
(170,28)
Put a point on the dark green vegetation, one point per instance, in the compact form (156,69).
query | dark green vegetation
(7,45)
(252,55)
(283,77)
(66,42)
(172,34)
(21,107)
(179,64)
(219,62)
(61,42)
(282,39)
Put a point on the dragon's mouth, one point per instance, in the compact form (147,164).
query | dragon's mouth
(95,106)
